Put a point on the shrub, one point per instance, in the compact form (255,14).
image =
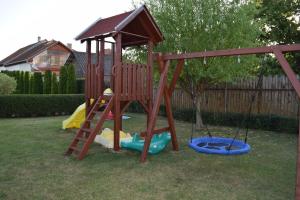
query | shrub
(80,86)
(63,75)
(54,84)
(21,82)
(37,83)
(18,79)
(38,105)
(7,84)
(47,82)
(26,83)
(71,80)
(31,80)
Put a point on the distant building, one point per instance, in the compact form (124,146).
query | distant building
(51,55)
(40,56)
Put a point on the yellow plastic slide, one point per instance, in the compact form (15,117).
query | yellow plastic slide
(78,117)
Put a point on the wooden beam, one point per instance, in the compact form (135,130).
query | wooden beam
(169,108)
(157,131)
(233,52)
(176,76)
(149,72)
(160,90)
(288,70)
(117,92)
(135,35)
(297,193)
(101,70)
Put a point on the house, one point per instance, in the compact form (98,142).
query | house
(40,56)
(51,55)
(79,59)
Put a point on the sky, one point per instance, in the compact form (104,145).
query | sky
(22,21)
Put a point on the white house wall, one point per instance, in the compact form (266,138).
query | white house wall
(19,67)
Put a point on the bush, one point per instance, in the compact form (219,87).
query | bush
(71,80)
(38,105)
(80,86)
(7,84)
(54,84)
(47,82)
(37,83)
(63,76)
(256,121)
(31,80)
(26,83)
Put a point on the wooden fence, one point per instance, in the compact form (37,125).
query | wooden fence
(276,96)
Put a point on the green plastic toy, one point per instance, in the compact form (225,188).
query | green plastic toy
(158,143)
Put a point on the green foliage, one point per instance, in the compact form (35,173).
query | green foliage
(256,121)
(196,25)
(63,78)
(71,80)
(54,84)
(21,82)
(80,86)
(31,84)
(38,105)
(280,27)
(7,85)
(47,82)
(18,79)
(26,83)
(37,87)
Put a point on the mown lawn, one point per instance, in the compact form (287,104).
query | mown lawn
(32,166)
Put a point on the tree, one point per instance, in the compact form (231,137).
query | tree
(17,76)
(31,80)
(281,26)
(54,84)
(7,84)
(22,82)
(47,82)
(37,83)
(197,25)
(71,79)
(63,76)
(26,83)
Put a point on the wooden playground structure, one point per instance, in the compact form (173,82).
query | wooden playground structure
(134,82)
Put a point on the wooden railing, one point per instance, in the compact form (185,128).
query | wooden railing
(93,85)
(134,82)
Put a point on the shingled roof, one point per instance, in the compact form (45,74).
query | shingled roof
(26,53)
(138,26)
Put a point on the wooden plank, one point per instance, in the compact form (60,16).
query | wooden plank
(153,117)
(233,52)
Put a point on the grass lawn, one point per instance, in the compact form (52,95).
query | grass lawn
(32,166)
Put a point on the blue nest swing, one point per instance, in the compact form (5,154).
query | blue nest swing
(219,145)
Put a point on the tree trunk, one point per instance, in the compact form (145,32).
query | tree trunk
(199,122)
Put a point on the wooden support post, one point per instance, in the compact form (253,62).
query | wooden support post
(149,73)
(154,113)
(113,63)
(97,75)
(101,70)
(117,91)
(296,85)
(167,94)
(87,78)
(297,193)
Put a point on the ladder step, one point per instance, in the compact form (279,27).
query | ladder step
(87,130)
(81,139)
(76,150)
(97,112)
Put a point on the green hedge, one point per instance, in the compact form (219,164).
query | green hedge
(259,121)
(38,105)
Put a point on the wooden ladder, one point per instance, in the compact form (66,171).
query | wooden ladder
(86,135)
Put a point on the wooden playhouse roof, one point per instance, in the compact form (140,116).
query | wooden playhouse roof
(137,25)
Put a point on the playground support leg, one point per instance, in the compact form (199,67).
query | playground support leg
(153,117)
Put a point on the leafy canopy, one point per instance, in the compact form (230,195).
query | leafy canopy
(197,25)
